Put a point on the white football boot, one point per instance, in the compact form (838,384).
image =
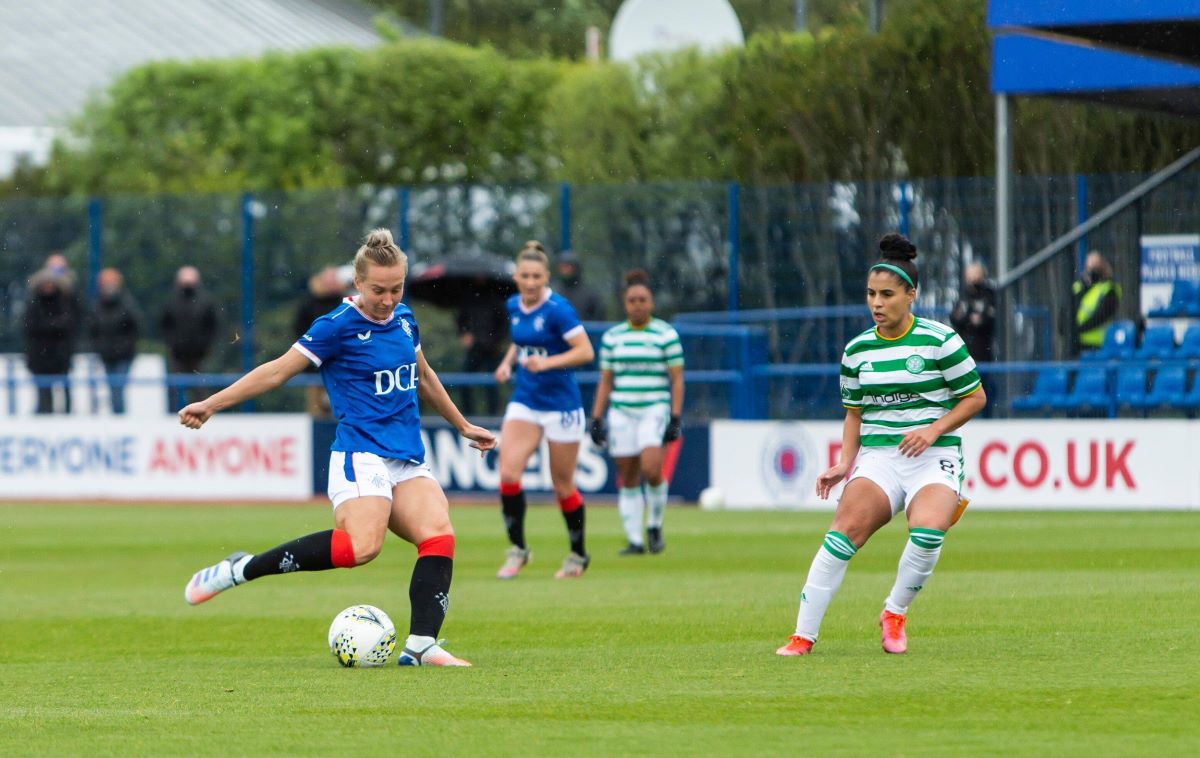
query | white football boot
(208,582)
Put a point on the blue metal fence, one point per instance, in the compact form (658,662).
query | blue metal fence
(784,250)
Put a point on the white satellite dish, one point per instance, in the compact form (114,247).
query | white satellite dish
(649,26)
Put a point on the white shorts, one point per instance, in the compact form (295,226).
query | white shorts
(901,477)
(558,426)
(631,433)
(354,475)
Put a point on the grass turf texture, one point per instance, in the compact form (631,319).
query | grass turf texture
(1039,633)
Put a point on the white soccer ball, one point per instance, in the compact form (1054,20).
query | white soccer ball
(362,636)
(712,498)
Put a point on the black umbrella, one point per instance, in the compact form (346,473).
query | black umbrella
(452,281)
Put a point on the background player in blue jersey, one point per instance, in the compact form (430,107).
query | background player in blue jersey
(547,342)
(369,353)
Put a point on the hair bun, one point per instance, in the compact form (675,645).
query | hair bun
(637,276)
(896,247)
(379,238)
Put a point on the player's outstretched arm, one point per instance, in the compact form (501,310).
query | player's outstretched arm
(262,379)
(430,389)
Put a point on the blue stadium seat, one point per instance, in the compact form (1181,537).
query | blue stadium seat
(1118,343)
(1189,346)
(1049,387)
(1158,343)
(1185,301)
(1090,393)
(1191,399)
(1131,387)
(1166,391)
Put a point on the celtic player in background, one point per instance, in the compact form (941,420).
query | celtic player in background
(641,375)
(907,385)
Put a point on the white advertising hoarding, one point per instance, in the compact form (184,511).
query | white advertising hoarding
(1009,464)
(234,457)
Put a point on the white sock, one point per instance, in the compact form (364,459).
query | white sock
(630,505)
(239,569)
(656,502)
(916,564)
(824,578)
(417,643)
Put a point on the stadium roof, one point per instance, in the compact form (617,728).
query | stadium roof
(1139,53)
(54,54)
(1158,27)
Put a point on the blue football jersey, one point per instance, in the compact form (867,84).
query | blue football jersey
(544,331)
(370,372)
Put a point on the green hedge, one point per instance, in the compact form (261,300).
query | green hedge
(912,101)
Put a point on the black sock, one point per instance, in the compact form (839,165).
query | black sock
(574,521)
(429,594)
(513,507)
(312,552)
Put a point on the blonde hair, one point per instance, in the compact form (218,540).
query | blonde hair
(534,251)
(381,250)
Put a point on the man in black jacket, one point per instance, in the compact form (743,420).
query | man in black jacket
(115,327)
(974,315)
(324,294)
(587,302)
(51,324)
(189,325)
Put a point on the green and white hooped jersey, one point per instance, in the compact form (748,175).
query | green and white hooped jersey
(908,382)
(639,358)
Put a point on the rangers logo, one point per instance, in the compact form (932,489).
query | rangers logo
(789,463)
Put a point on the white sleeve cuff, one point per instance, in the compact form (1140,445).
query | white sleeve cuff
(307,354)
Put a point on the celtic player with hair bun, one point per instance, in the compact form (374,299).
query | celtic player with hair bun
(907,384)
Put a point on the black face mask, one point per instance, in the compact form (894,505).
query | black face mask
(187,291)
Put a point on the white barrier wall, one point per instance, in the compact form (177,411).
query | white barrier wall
(234,457)
(1009,464)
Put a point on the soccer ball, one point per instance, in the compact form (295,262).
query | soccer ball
(362,636)
(711,499)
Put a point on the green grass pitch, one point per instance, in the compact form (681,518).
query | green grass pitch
(1040,633)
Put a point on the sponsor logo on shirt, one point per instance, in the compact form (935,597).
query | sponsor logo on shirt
(402,378)
(365,337)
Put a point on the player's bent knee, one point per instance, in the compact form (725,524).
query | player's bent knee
(366,547)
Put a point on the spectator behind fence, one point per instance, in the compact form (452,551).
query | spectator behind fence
(189,325)
(51,323)
(324,294)
(974,315)
(588,303)
(482,331)
(1095,298)
(115,327)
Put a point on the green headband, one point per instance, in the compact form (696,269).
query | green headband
(896,270)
